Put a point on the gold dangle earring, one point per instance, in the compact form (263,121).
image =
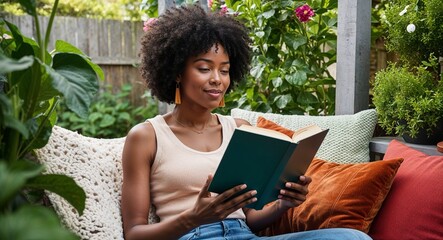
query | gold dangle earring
(222,102)
(178,99)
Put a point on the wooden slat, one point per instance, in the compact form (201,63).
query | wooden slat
(127,43)
(93,37)
(109,60)
(115,43)
(103,38)
(83,36)
(138,33)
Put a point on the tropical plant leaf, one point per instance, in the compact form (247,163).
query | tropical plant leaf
(30,6)
(62,185)
(40,131)
(75,79)
(8,65)
(33,222)
(62,46)
(8,119)
(14,177)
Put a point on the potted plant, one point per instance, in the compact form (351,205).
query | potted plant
(32,82)
(408,94)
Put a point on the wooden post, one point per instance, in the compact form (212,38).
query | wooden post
(204,4)
(163,5)
(353,56)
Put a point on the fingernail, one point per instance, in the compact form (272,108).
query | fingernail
(282,191)
(243,186)
(254,199)
(288,185)
(253,193)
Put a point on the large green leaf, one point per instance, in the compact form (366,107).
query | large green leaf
(25,46)
(108,120)
(33,222)
(269,13)
(297,78)
(7,117)
(30,6)
(62,46)
(40,129)
(283,100)
(8,65)
(294,41)
(62,185)
(75,79)
(306,98)
(14,177)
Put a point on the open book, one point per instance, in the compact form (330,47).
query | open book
(265,160)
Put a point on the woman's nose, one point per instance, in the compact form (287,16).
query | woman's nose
(215,81)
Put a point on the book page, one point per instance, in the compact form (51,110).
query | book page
(265,132)
(305,132)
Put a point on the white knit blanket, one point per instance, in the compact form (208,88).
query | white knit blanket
(95,164)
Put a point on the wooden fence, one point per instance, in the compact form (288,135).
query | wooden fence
(113,45)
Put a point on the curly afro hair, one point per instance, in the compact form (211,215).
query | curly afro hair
(187,31)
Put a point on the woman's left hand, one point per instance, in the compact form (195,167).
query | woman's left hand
(294,194)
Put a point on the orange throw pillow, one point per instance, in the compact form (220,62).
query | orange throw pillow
(340,195)
(268,124)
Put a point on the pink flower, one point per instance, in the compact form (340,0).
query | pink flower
(304,13)
(223,9)
(149,23)
(210,2)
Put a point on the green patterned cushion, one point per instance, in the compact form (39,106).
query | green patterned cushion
(348,137)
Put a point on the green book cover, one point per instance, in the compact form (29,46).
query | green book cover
(264,160)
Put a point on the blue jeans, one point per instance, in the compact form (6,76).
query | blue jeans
(236,229)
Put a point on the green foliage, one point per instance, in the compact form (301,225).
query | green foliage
(407,100)
(32,82)
(110,115)
(150,7)
(409,94)
(109,9)
(427,17)
(289,72)
(32,222)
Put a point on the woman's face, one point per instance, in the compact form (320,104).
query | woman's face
(206,78)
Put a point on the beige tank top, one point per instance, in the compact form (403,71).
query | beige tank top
(179,172)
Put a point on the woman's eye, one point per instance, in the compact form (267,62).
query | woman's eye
(224,71)
(203,69)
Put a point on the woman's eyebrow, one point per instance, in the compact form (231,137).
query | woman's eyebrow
(210,61)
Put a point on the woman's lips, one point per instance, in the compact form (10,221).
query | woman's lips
(215,93)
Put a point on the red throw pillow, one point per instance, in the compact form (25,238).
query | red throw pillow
(413,208)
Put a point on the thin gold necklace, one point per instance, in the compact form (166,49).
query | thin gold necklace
(201,131)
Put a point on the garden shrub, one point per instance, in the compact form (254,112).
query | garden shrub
(111,114)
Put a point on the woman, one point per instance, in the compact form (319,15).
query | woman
(192,58)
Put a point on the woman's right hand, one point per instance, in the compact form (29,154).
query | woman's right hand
(208,208)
